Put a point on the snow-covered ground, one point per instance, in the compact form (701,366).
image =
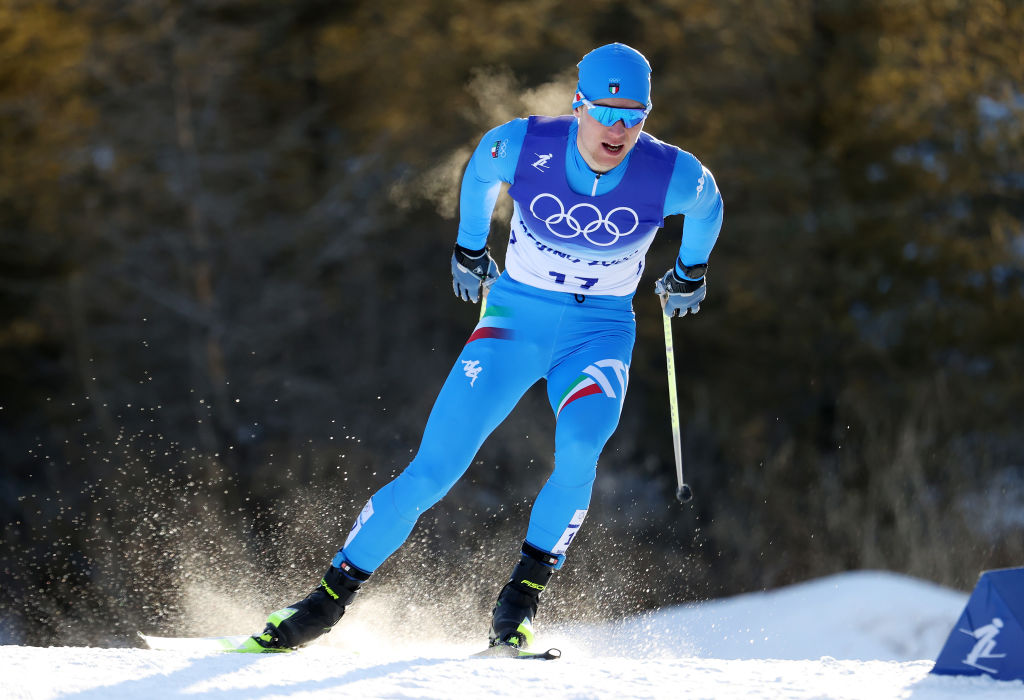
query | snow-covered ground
(857,635)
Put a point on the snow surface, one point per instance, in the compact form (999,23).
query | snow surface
(856,635)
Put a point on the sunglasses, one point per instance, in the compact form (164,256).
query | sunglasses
(629,116)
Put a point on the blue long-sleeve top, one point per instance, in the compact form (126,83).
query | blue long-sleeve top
(481,184)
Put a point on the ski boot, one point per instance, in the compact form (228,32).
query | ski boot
(314,615)
(513,614)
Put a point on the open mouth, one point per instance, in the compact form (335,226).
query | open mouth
(614,150)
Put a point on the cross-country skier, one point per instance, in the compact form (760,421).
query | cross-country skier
(590,192)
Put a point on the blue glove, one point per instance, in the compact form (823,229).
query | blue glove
(470,269)
(680,296)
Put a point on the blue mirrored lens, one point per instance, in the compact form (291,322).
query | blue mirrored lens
(609,115)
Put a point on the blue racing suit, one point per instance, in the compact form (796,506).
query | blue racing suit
(562,311)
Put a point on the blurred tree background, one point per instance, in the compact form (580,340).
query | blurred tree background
(225,305)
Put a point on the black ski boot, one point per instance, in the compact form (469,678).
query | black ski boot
(512,617)
(314,615)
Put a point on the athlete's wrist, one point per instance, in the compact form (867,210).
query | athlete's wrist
(469,253)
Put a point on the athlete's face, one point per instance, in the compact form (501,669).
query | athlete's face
(604,147)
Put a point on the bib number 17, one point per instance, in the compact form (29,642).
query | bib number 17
(587,282)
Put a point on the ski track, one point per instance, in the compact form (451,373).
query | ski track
(94,674)
(875,636)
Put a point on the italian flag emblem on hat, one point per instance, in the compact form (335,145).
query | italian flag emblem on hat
(613,88)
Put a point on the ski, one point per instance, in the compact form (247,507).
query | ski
(237,643)
(507,651)
(246,644)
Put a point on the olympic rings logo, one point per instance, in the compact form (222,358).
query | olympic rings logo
(576,228)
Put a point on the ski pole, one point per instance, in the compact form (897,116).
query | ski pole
(683,493)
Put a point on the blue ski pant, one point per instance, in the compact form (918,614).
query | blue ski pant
(581,346)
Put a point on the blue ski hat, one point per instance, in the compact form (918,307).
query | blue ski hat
(614,70)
